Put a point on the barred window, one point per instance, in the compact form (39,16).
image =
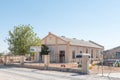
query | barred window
(73,54)
(86,50)
(92,53)
(80,51)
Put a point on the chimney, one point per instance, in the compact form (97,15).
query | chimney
(74,38)
(63,36)
(49,32)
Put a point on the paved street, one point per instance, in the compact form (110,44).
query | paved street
(14,73)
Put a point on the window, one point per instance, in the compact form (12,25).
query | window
(97,54)
(73,54)
(92,53)
(86,50)
(80,51)
(117,55)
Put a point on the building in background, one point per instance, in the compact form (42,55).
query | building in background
(112,56)
(113,53)
(64,50)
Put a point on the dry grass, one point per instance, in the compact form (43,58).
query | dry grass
(104,69)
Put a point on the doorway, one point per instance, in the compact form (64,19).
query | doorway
(62,56)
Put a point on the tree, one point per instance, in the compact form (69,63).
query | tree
(21,38)
(1,61)
(1,54)
(44,50)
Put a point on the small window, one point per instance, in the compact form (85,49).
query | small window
(117,55)
(92,53)
(80,51)
(73,55)
(97,54)
(86,50)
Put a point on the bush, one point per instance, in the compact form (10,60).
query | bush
(93,64)
(90,66)
(79,65)
(119,65)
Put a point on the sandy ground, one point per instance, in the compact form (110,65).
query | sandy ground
(14,73)
(104,69)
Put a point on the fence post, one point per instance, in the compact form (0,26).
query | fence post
(85,64)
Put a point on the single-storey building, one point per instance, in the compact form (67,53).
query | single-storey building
(112,56)
(113,53)
(64,50)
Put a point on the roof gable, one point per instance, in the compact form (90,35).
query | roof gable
(51,39)
(65,40)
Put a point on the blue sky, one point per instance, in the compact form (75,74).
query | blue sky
(97,20)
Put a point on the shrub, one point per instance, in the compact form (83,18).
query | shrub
(90,66)
(93,64)
(79,65)
(119,65)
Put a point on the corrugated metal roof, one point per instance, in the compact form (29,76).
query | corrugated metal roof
(77,42)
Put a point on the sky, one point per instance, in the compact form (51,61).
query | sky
(96,20)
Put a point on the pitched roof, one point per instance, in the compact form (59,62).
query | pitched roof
(74,41)
(77,42)
(113,49)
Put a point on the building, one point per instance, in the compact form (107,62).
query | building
(64,50)
(113,53)
(112,56)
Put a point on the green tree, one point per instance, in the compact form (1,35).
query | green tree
(44,50)
(21,38)
(1,54)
